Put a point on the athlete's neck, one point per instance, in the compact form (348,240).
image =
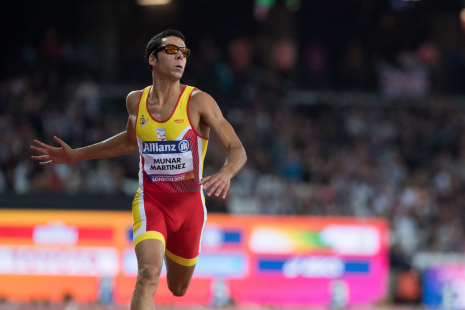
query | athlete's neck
(162,91)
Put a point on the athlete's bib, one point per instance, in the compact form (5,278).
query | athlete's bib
(168,161)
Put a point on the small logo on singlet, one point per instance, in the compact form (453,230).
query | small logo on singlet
(161,134)
(184,146)
(143,121)
(179,121)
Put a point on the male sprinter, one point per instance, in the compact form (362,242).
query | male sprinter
(169,123)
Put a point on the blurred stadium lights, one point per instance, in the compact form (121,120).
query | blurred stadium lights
(261,9)
(153,2)
(265,2)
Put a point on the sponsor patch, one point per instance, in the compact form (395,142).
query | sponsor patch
(166,147)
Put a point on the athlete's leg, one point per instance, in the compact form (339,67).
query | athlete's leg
(149,254)
(149,233)
(183,246)
(178,276)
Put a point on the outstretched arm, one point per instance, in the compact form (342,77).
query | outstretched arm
(122,143)
(211,114)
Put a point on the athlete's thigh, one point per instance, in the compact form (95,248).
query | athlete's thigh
(149,231)
(177,274)
(183,245)
(149,220)
(149,253)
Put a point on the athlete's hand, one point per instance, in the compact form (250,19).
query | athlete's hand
(54,155)
(219,182)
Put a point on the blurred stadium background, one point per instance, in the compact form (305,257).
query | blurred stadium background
(352,113)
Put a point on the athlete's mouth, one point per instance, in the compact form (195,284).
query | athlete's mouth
(178,66)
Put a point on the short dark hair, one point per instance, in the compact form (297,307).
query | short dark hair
(155,42)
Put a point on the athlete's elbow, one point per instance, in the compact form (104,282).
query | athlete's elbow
(134,148)
(131,146)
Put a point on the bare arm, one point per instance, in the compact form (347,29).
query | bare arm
(210,113)
(122,143)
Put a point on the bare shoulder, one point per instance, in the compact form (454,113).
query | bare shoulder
(200,101)
(132,101)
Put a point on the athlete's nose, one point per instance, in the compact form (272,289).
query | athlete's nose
(179,54)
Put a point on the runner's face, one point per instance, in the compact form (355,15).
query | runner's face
(171,65)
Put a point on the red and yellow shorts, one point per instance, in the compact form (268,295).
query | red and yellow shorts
(176,219)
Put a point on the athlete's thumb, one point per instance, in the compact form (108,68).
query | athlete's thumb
(60,142)
(204,180)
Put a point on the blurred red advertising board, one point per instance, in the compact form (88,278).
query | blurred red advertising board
(269,260)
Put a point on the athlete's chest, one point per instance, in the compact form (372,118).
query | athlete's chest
(161,112)
(162,123)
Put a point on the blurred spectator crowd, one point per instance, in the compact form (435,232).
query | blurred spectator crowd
(405,162)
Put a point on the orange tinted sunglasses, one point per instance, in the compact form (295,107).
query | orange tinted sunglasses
(173,49)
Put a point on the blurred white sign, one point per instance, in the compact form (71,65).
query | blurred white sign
(342,239)
(59,261)
(351,239)
(55,233)
(270,240)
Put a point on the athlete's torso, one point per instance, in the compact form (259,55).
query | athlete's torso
(171,152)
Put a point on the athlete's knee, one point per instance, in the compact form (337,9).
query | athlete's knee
(148,275)
(178,289)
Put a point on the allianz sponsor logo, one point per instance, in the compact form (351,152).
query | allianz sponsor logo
(55,233)
(166,147)
(313,267)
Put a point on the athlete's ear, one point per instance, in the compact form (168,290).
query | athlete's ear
(153,60)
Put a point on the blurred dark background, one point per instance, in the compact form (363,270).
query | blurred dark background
(345,108)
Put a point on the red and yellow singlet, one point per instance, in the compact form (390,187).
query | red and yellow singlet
(170,169)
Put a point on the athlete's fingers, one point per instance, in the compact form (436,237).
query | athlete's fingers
(45,146)
(205,179)
(214,187)
(40,150)
(212,190)
(46,163)
(225,191)
(42,157)
(60,142)
(209,182)
(219,190)
(223,185)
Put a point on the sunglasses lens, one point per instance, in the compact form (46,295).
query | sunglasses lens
(185,51)
(171,49)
